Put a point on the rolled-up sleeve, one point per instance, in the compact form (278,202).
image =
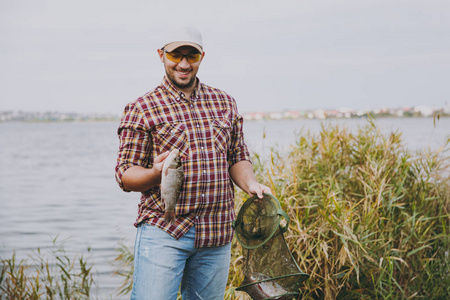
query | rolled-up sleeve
(238,150)
(134,141)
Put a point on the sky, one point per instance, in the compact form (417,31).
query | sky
(95,56)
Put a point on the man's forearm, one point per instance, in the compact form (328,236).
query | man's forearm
(140,179)
(242,175)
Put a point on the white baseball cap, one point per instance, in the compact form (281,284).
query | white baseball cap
(186,36)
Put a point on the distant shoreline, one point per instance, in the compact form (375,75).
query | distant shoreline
(47,117)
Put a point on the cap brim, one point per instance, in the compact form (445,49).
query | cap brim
(172,46)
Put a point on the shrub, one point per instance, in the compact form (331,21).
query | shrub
(369,219)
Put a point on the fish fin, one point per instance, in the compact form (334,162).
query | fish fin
(169,217)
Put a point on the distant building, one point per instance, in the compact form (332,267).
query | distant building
(292,114)
(319,114)
(425,111)
(275,115)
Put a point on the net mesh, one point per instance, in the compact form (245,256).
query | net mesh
(270,271)
(257,221)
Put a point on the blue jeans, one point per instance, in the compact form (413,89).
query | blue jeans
(162,263)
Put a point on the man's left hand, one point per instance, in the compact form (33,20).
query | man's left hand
(258,189)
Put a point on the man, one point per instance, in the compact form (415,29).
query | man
(203,123)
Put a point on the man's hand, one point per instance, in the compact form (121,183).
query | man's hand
(258,189)
(243,177)
(158,162)
(140,179)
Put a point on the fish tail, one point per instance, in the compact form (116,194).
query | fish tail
(169,217)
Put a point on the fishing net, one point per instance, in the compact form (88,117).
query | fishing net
(270,271)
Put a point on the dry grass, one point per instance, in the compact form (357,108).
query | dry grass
(369,219)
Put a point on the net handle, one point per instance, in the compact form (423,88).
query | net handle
(286,217)
(280,212)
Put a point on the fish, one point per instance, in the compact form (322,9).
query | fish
(260,286)
(171,182)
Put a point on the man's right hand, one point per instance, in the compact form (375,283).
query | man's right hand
(158,162)
(140,179)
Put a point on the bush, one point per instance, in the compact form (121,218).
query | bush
(369,219)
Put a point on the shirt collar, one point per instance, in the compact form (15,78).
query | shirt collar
(179,95)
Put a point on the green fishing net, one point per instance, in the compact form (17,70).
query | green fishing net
(270,271)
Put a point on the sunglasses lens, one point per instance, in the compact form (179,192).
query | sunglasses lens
(177,57)
(193,58)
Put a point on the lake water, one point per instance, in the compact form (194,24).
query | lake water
(57,179)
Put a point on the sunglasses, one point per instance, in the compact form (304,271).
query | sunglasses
(177,57)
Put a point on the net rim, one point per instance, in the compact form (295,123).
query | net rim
(304,276)
(280,213)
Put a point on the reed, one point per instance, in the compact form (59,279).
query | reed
(124,268)
(48,274)
(369,219)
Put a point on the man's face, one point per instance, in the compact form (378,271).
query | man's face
(182,74)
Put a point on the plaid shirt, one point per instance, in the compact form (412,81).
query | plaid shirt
(207,129)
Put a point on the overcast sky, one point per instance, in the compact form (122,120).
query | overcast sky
(98,55)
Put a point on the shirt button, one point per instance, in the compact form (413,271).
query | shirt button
(202,148)
(203,195)
(198,126)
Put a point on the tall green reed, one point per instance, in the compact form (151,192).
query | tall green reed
(369,218)
(47,274)
(124,268)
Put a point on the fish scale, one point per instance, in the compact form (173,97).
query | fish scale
(171,182)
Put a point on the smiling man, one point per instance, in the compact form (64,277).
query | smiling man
(203,123)
(182,72)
